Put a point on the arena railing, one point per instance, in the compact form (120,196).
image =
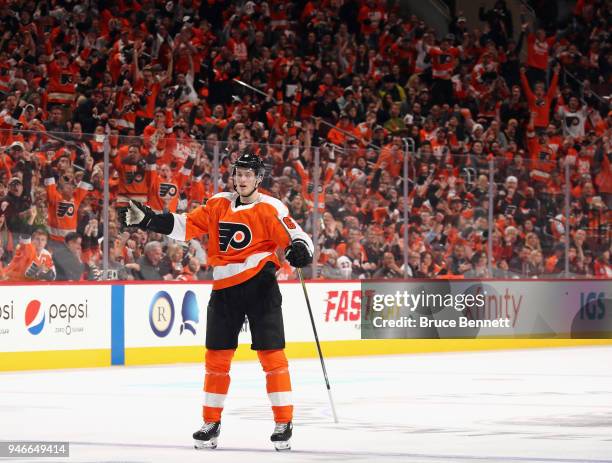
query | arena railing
(387,212)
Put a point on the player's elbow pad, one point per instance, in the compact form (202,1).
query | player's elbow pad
(162,223)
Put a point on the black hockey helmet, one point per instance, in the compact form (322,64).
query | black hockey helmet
(250,161)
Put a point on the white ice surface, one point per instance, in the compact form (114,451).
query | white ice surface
(549,405)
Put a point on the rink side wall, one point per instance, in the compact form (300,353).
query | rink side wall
(100,324)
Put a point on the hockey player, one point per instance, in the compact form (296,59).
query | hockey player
(245,228)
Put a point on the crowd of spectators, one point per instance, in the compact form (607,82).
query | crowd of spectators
(171,90)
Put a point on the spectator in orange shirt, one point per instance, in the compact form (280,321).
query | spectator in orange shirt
(131,168)
(391,157)
(538,47)
(164,188)
(337,135)
(31,262)
(539,100)
(64,200)
(190,271)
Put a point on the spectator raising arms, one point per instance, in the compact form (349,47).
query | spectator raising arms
(497,110)
(31,262)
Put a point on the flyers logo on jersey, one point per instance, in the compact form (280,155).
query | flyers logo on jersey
(569,121)
(32,270)
(65,79)
(167,189)
(235,235)
(133,177)
(65,209)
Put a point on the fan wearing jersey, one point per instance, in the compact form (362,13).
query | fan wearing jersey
(163,187)
(573,118)
(130,166)
(31,262)
(443,61)
(64,200)
(245,228)
(540,100)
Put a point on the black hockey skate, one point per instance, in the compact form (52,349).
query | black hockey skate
(207,436)
(282,435)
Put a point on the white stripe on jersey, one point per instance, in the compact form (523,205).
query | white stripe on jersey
(225,271)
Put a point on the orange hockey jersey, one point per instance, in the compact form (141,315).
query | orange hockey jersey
(26,263)
(306,178)
(132,183)
(164,195)
(241,239)
(63,213)
(62,83)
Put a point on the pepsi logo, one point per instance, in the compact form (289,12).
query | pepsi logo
(34,317)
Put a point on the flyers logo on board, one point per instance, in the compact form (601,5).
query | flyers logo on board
(234,235)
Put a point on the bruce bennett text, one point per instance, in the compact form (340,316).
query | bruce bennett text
(425,322)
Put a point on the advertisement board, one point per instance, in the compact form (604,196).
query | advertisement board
(165,315)
(48,318)
(176,314)
(85,325)
(336,310)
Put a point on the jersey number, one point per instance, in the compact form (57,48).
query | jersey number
(288,221)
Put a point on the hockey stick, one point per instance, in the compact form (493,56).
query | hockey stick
(314,329)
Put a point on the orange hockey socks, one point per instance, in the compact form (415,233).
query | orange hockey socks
(278,383)
(216,382)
